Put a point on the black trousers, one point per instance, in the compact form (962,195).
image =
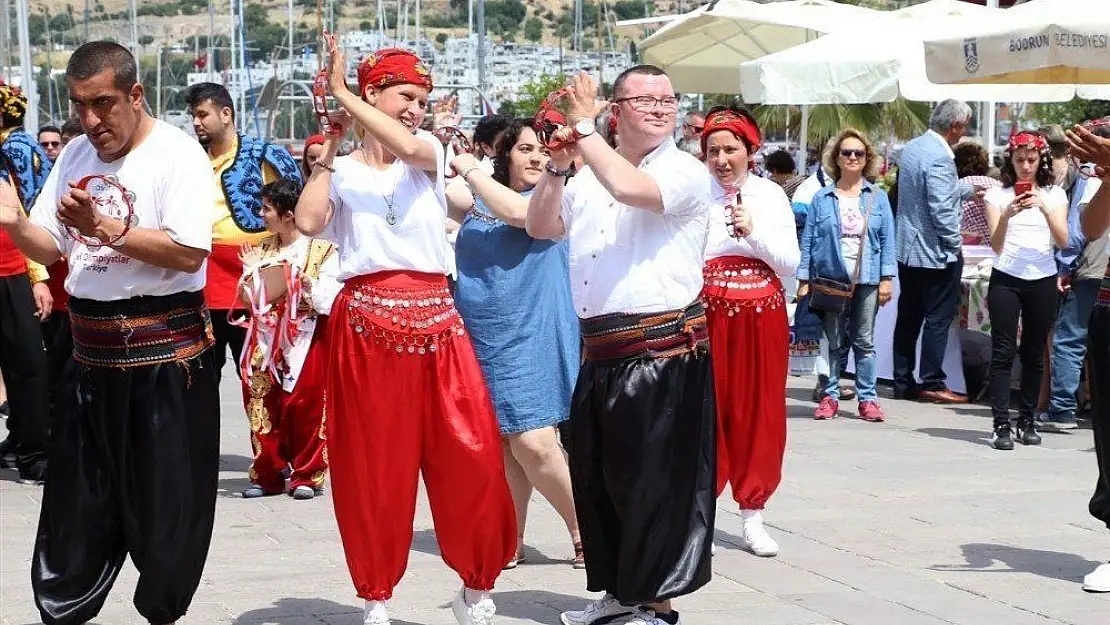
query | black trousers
(134,462)
(227,335)
(1099,354)
(927,303)
(643,468)
(23,362)
(58,339)
(1034,302)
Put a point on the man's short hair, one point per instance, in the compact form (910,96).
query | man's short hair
(72,128)
(638,70)
(209,92)
(94,57)
(489,127)
(779,162)
(43,129)
(1057,140)
(949,113)
(1102,131)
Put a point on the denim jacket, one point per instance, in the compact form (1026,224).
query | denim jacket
(821,237)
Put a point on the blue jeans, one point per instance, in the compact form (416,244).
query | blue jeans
(860,337)
(1069,348)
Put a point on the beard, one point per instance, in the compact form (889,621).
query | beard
(204,140)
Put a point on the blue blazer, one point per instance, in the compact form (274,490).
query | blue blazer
(929,199)
(821,237)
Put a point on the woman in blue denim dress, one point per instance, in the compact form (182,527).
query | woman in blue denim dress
(514,295)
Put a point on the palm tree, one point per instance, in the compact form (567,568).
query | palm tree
(900,119)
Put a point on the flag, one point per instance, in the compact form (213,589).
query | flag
(201,62)
(488,108)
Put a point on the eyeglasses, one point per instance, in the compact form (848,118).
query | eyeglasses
(847,153)
(697,129)
(645,103)
(50,144)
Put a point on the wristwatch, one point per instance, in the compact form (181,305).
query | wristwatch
(584,128)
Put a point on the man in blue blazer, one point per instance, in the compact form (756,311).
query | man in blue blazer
(929,258)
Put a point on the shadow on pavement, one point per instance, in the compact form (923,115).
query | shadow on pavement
(233,462)
(539,606)
(979,437)
(425,541)
(981,557)
(290,610)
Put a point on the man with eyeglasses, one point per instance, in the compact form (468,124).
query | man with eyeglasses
(643,422)
(692,125)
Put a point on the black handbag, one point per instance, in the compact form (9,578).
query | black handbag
(832,296)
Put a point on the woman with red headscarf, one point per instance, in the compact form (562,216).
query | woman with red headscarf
(752,241)
(313,150)
(404,393)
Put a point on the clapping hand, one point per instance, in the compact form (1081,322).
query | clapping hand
(445,112)
(337,65)
(582,98)
(1089,147)
(249,255)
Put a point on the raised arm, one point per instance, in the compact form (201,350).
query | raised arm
(624,180)
(314,207)
(392,134)
(506,204)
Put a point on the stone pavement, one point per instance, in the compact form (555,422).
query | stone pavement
(912,522)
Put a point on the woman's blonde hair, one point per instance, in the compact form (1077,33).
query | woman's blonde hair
(870,167)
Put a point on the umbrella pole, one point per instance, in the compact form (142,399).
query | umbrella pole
(803,140)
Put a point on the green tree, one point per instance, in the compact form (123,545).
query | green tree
(532,94)
(533,29)
(146,40)
(1069,113)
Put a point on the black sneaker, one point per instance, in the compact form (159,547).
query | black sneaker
(1027,432)
(34,474)
(7,453)
(1002,438)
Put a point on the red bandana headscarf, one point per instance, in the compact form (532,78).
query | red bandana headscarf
(392,66)
(1027,139)
(741,126)
(313,140)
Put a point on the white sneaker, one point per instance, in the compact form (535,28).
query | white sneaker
(755,536)
(374,614)
(479,613)
(1098,580)
(601,610)
(644,616)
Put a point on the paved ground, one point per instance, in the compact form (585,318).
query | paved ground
(912,522)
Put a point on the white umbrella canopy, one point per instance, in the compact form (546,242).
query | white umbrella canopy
(880,61)
(701,50)
(1041,42)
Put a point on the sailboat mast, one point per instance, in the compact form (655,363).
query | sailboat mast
(28,84)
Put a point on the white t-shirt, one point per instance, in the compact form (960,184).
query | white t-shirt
(774,238)
(631,260)
(171,178)
(417,241)
(1027,250)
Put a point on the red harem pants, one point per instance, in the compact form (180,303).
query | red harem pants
(749,339)
(405,396)
(287,429)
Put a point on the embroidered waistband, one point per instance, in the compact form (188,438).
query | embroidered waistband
(406,320)
(733,282)
(621,336)
(140,331)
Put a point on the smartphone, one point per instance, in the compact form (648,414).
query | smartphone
(1021,187)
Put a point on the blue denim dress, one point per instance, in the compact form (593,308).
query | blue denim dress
(514,295)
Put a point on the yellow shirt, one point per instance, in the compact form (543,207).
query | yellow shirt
(224,229)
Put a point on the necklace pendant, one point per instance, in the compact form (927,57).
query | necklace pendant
(391,217)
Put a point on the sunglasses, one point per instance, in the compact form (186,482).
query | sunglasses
(697,129)
(50,144)
(847,153)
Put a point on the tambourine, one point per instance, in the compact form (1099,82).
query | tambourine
(454,142)
(549,120)
(320,103)
(111,199)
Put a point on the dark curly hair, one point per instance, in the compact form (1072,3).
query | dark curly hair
(503,151)
(1044,176)
(282,194)
(971,160)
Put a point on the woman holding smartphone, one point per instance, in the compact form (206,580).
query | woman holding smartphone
(1027,216)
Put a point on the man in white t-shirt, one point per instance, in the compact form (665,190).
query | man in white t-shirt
(643,420)
(134,452)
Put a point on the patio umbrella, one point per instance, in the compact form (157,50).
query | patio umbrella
(701,50)
(1041,42)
